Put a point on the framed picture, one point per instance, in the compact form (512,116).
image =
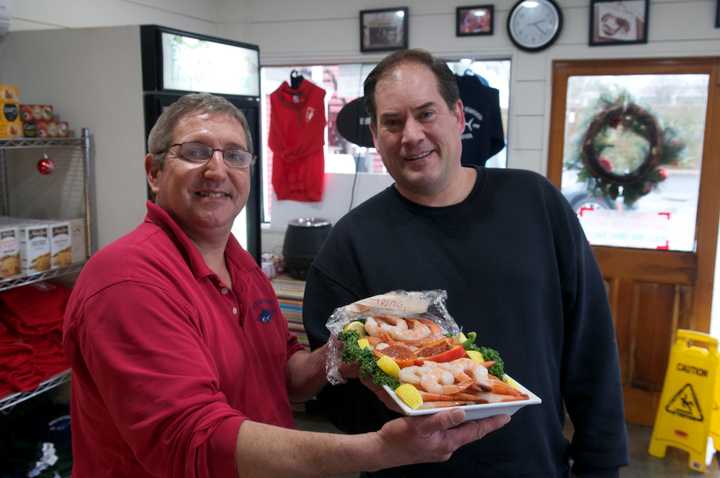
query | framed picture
(384,29)
(475,20)
(614,22)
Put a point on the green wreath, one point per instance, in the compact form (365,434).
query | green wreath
(657,148)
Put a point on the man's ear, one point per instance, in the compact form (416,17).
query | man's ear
(459,113)
(373,133)
(151,173)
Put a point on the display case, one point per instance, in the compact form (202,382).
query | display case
(48,180)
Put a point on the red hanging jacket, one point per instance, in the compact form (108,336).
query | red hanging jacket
(297,127)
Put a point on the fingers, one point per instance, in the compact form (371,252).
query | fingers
(349,370)
(440,421)
(475,429)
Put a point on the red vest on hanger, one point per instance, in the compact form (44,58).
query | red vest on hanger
(296,138)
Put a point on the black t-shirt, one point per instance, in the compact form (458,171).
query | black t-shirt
(483,135)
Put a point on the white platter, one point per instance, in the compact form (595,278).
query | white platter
(474,412)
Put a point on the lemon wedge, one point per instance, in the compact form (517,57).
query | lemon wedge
(460,338)
(476,356)
(364,344)
(389,366)
(357,327)
(410,395)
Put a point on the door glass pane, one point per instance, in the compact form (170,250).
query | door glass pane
(632,158)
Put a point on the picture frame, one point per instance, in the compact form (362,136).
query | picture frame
(618,22)
(384,29)
(717,14)
(474,20)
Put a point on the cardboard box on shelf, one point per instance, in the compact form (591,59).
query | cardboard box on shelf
(35,248)
(77,235)
(60,245)
(9,252)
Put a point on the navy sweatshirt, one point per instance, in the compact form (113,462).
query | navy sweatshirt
(519,272)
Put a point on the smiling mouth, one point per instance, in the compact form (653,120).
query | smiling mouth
(212,194)
(418,156)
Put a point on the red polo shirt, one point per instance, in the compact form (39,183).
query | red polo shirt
(168,361)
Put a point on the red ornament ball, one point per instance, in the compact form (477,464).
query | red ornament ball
(46,166)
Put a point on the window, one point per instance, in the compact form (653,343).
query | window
(342,84)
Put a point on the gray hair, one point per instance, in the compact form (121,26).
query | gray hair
(161,134)
(446,82)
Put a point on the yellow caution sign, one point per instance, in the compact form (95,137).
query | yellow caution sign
(715,420)
(685,412)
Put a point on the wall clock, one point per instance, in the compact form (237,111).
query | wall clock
(534,25)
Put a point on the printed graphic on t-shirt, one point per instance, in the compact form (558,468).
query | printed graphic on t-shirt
(473,122)
(309,113)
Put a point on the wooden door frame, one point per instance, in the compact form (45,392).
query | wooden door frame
(706,229)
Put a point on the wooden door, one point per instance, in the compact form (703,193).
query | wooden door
(653,288)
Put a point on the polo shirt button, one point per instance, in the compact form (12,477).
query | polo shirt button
(224,291)
(235,311)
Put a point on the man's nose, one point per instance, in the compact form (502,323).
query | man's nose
(412,131)
(215,164)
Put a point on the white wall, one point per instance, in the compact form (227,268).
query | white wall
(189,15)
(92,77)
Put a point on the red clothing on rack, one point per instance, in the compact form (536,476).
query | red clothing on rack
(30,335)
(167,360)
(296,138)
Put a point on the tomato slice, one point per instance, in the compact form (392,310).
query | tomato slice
(447,356)
(402,354)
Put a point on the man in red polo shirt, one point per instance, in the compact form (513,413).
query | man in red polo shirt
(183,365)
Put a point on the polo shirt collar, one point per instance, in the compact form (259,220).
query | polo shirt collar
(160,217)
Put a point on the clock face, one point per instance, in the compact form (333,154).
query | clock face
(534,24)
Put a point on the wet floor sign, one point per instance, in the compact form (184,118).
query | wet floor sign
(685,412)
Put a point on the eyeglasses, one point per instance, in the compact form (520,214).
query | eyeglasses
(200,153)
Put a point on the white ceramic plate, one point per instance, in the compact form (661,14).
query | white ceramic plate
(474,412)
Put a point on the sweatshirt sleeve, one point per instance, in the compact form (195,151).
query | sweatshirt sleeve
(590,373)
(144,349)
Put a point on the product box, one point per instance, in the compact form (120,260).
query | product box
(9,252)
(35,248)
(10,123)
(60,245)
(9,93)
(77,236)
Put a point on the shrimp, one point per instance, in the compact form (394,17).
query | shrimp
(414,332)
(497,386)
(432,379)
(381,326)
(466,369)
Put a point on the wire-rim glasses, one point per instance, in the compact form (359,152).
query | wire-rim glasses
(200,153)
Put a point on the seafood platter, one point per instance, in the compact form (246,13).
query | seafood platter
(407,343)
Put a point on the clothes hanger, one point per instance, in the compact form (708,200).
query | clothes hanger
(470,72)
(295,79)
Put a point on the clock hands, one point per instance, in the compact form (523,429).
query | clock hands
(535,24)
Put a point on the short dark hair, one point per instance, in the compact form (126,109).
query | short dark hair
(446,83)
(160,137)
